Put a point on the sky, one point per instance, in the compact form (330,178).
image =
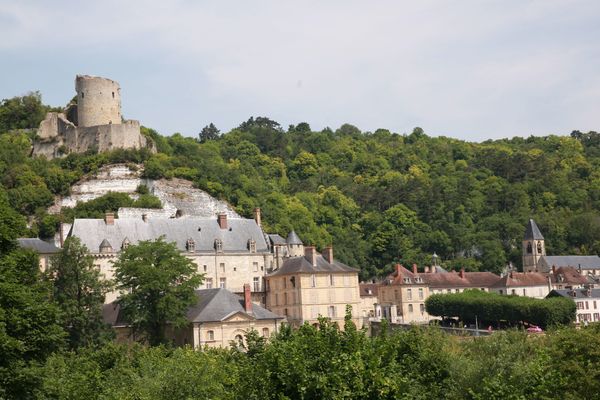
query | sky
(472,70)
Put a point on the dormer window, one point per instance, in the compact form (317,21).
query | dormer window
(418,279)
(105,247)
(406,280)
(190,245)
(218,245)
(252,245)
(125,244)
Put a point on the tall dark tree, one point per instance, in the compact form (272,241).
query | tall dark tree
(160,284)
(80,292)
(209,132)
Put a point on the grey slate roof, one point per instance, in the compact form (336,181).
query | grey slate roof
(218,304)
(296,265)
(213,305)
(293,238)
(532,231)
(586,262)
(574,293)
(204,231)
(277,240)
(37,245)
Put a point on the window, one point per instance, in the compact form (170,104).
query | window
(313,281)
(293,281)
(285,312)
(210,335)
(406,280)
(331,282)
(222,267)
(285,301)
(587,306)
(222,283)
(209,283)
(331,311)
(422,308)
(252,245)
(580,305)
(218,245)
(594,304)
(500,291)
(524,292)
(256,283)
(529,248)
(190,245)
(276,299)
(410,308)
(284,280)
(255,266)
(456,290)
(420,293)
(204,267)
(409,294)
(265,332)
(514,292)
(113,94)
(397,295)
(239,339)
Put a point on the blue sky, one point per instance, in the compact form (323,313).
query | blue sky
(472,70)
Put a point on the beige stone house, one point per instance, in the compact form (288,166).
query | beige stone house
(586,300)
(313,285)
(44,249)
(402,296)
(218,319)
(228,251)
(529,284)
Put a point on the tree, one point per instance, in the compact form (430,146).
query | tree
(79,292)
(160,284)
(22,112)
(209,132)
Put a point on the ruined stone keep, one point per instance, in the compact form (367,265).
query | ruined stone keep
(94,121)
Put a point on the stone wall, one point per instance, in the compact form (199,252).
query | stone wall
(98,101)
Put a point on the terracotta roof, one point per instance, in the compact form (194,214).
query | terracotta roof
(400,274)
(454,279)
(522,279)
(568,275)
(369,289)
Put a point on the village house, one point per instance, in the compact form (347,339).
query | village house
(218,319)
(402,296)
(313,285)
(587,301)
(44,249)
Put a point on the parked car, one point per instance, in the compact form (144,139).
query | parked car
(534,329)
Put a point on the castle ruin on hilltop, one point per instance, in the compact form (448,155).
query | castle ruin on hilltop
(93,121)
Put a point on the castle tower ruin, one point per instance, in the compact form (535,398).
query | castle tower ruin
(98,101)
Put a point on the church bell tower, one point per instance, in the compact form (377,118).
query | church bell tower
(533,247)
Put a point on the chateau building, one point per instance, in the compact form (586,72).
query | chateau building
(44,249)
(228,251)
(312,285)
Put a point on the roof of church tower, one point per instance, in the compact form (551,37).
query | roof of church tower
(532,231)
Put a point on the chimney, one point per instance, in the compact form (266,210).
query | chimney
(426,269)
(109,218)
(257,216)
(222,219)
(328,254)
(145,217)
(310,253)
(462,273)
(549,284)
(554,269)
(247,298)
(398,268)
(415,271)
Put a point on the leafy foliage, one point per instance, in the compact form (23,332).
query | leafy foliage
(159,284)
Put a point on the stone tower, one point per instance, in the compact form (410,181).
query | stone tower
(533,247)
(98,101)
(295,245)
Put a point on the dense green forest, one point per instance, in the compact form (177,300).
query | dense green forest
(378,197)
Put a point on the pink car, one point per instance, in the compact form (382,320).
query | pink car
(534,329)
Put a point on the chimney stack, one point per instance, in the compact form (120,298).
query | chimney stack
(554,269)
(462,273)
(398,268)
(145,217)
(426,269)
(222,219)
(247,298)
(328,254)
(310,253)
(109,218)
(257,216)
(415,271)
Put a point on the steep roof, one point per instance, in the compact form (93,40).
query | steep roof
(277,240)
(296,265)
(38,245)
(368,289)
(585,262)
(569,276)
(213,305)
(293,238)
(532,232)
(522,279)
(204,231)
(453,279)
